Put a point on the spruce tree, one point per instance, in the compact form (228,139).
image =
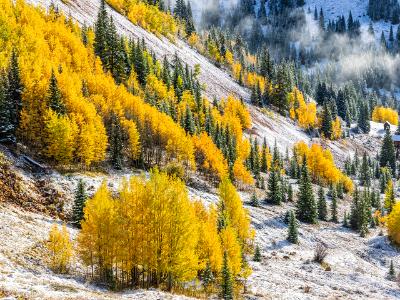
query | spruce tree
(290,193)
(54,96)
(334,206)
(392,272)
(326,126)
(208,276)
(365,178)
(322,208)
(274,187)
(226,292)
(306,207)
(363,119)
(100,30)
(293,235)
(388,154)
(7,128)
(254,200)
(14,90)
(79,204)
(257,254)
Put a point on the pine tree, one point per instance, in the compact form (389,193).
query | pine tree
(55,97)
(254,200)
(226,280)
(208,276)
(334,205)
(292,229)
(274,187)
(388,154)
(7,129)
(363,119)
(326,126)
(100,30)
(189,125)
(345,220)
(322,208)
(365,178)
(79,204)
(392,272)
(257,254)
(14,90)
(306,207)
(290,193)
(264,166)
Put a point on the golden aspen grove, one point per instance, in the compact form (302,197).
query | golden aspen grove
(154,149)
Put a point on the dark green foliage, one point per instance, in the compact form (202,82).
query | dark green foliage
(322,207)
(365,176)
(392,272)
(360,212)
(208,276)
(290,193)
(334,213)
(79,204)
(326,126)
(306,207)
(345,220)
(226,292)
(257,254)
(54,96)
(293,235)
(116,145)
(363,119)
(254,200)
(274,187)
(388,154)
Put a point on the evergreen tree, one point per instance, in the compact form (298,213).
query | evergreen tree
(293,235)
(390,200)
(290,193)
(322,208)
(306,206)
(326,126)
(208,276)
(254,200)
(257,254)
(264,166)
(14,90)
(334,205)
(392,272)
(274,187)
(365,178)
(189,125)
(79,204)
(363,119)
(116,146)
(54,96)
(345,220)
(100,30)
(388,154)
(226,280)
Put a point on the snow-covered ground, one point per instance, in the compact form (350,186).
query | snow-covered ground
(333,9)
(358,266)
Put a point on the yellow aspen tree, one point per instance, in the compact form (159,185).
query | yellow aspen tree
(60,247)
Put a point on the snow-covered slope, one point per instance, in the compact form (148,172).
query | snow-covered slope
(337,8)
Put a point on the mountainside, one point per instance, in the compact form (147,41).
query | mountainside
(127,200)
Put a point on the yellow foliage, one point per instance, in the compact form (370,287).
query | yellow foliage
(382,114)
(147,16)
(237,216)
(209,156)
(321,165)
(304,113)
(336,129)
(241,173)
(229,58)
(60,248)
(393,223)
(233,107)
